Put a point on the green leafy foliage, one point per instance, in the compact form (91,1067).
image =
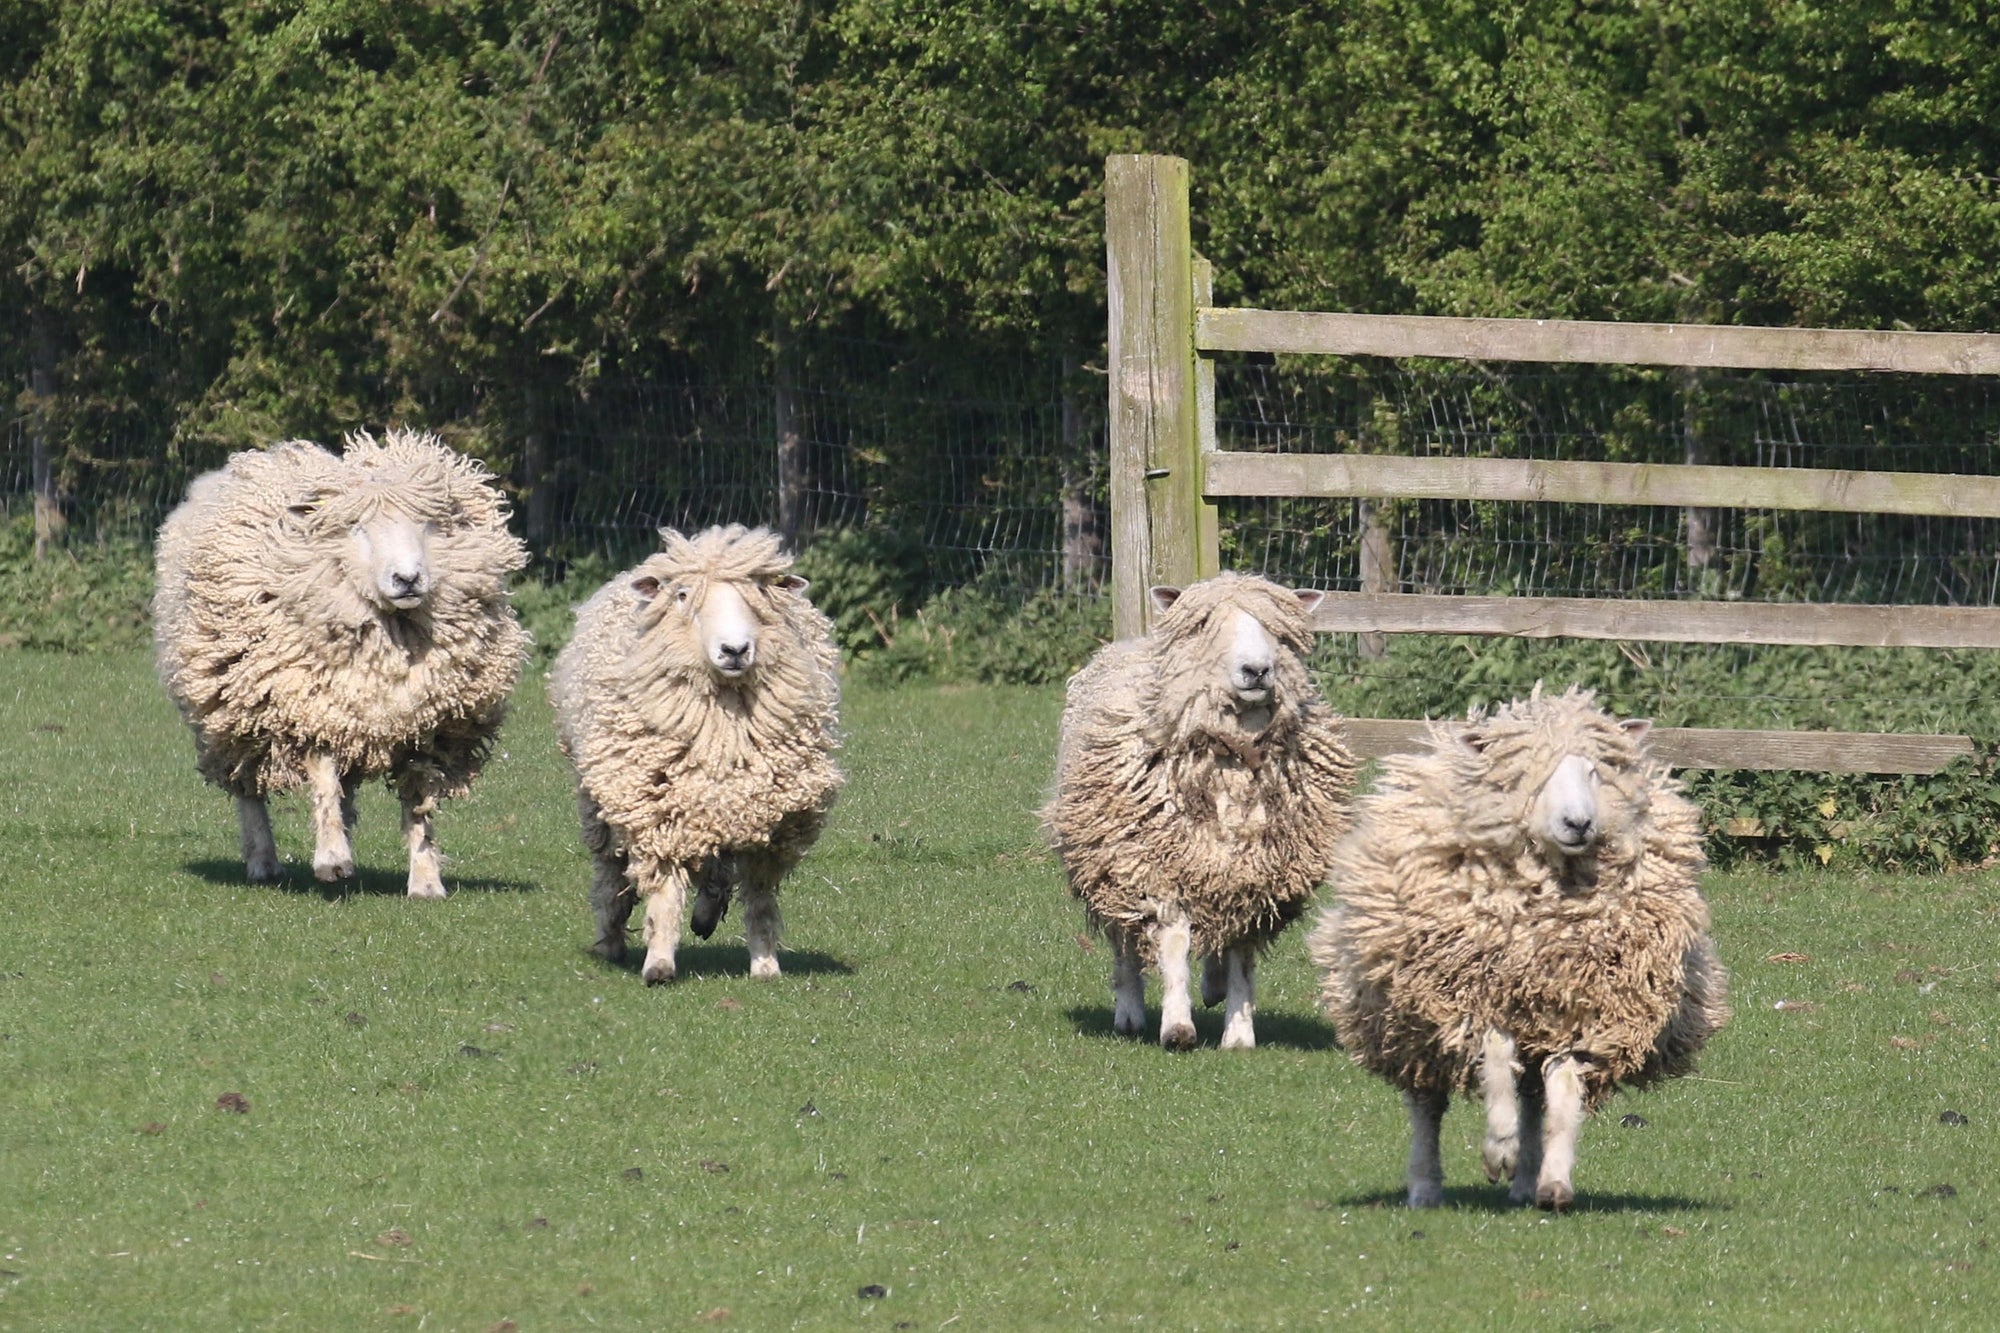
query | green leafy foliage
(81,599)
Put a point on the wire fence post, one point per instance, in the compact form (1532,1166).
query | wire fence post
(1155,460)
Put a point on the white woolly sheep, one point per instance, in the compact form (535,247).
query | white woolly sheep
(1516,912)
(698,703)
(322,620)
(1200,785)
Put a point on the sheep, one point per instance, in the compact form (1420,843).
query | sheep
(1515,913)
(321,620)
(1200,785)
(698,704)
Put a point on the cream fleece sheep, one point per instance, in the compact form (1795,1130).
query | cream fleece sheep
(698,703)
(321,620)
(1519,906)
(1200,785)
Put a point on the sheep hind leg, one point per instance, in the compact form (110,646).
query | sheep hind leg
(1128,985)
(1239,1011)
(1562,1091)
(1528,1165)
(1426,1107)
(333,855)
(611,902)
(1498,1071)
(664,891)
(426,878)
(1170,944)
(1214,980)
(260,849)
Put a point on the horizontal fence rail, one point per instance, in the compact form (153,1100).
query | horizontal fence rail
(1718,346)
(1699,747)
(1381,476)
(1808,624)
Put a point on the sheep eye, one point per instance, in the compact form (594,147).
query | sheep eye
(681,595)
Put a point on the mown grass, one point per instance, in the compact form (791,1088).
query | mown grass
(457,1119)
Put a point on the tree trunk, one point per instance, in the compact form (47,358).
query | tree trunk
(49,520)
(1082,518)
(535,479)
(1694,450)
(791,448)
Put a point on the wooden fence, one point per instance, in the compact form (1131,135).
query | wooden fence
(1166,472)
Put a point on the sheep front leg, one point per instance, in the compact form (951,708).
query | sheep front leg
(1128,985)
(1498,1071)
(664,889)
(1239,1009)
(419,839)
(260,849)
(1426,1107)
(1170,945)
(333,856)
(1562,1090)
(761,919)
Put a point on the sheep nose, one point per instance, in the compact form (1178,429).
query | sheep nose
(407,583)
(733,656)
(1577,826)
(1254,675)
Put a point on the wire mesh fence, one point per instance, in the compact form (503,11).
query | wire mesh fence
(1893,423)
(982,466)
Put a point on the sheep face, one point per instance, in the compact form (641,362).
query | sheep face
(1235,648)
(388,558)
(718,619)
(1588,800)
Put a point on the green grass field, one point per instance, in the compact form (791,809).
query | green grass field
(458,1119)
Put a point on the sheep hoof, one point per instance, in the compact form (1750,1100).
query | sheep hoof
(1520,1196)
(426,888)
(1180,1037)
(610,950)
(1500,1157)
(1554,1196)
(328,869)
(1235,1039)
(264,870)
(1427,1195)
(763,968)
(657,971)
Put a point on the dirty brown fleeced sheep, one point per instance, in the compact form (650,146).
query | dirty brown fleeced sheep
(321,620)
(698,704)
(1516,913)
(1201,782)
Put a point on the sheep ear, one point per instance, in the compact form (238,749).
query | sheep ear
(1309,599)
(647,587)
(1636,727)
(1474,741)
(790,583)
(1164,597)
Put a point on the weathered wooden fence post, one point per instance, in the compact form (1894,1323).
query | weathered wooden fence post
(1155,461)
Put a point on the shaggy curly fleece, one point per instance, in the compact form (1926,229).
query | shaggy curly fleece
(1447,920)
(270,650)
(681,766)
(1165,800)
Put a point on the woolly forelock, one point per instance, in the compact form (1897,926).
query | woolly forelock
(1166,803)
(271,650)
(1446,920)
(684,766)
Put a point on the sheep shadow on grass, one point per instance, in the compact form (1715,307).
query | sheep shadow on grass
(1485,1198)
(368,881)
(701,962)
(1275,1027)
